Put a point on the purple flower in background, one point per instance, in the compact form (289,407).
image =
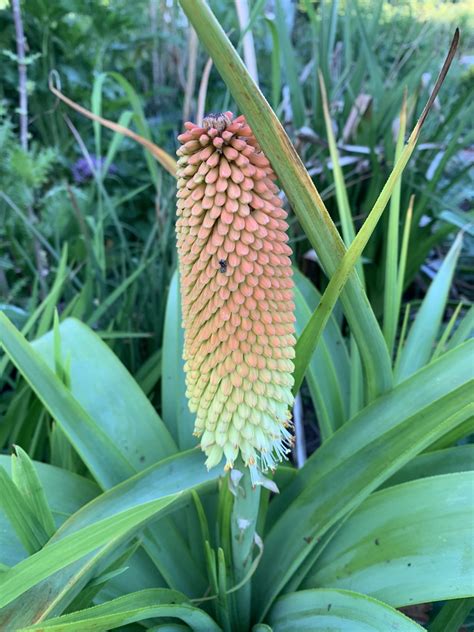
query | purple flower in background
(81,169)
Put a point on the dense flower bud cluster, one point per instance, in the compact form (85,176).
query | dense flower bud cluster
(236,290)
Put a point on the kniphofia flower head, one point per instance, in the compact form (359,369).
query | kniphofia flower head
(236,290)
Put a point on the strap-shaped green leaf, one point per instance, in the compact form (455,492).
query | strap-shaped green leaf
(407,544)
(328,371)
(146,604)
(109,394)
(425,328)
(338,610)
(459,458)
(105,460)
(176,413)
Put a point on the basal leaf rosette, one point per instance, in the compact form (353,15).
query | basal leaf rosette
(237,294)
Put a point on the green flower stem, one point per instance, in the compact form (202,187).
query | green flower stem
(243,524)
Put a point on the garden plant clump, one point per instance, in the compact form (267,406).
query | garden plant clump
(245,403)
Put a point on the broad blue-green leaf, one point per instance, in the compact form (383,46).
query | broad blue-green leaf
(109,394)
(176,413)
(459,458)
(423,332)
(105,460)
(336,611)
(407,544)
(146,604)
(328,372)
(62,552)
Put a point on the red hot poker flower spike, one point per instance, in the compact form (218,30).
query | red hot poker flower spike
(237,294)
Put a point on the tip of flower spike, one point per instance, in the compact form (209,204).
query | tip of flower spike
(217,120)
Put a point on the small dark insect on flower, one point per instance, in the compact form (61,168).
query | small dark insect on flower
(223,266)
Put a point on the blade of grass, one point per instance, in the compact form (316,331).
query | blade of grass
(403,333)
(30,225)
(290,64)
(117,293)
(257,8)
(246,37)
(356,401)
(402,265)
(424,330)
(317,48)
(47,306)
(124,121)
(464,329)
(440,347)
(149,373)
(391,298)
(191,63)
(276,68)
(367,40)
(53,297)
(345,215)
(26,479)
(452,615)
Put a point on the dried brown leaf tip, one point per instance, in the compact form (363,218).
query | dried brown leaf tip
(237,294)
